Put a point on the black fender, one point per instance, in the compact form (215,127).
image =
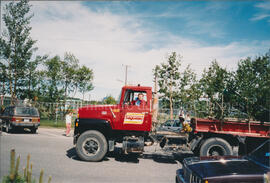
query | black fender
(85,124)
(195,143)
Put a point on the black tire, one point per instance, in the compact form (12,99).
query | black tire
(9,128)
(91,146)
(33,130)
(242,150)
(216,147)
(176,181)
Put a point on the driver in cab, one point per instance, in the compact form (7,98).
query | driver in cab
(140,102)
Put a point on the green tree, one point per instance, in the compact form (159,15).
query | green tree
(168,76)
(16,45)
(69,68)
(109,100)
(214,81)
(3,79)
(252,87)
(52,84)
(61,77)
(188,89)
(84,80)
(31,82)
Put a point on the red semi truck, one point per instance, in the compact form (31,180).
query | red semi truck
(99,127)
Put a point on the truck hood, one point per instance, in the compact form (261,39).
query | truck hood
(97,111)
(226,167)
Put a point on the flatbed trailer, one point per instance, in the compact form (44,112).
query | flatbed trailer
(242,128)
(212,137)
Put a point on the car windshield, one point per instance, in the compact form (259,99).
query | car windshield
(261,154)
(168,123)
(177,123)
(26,111)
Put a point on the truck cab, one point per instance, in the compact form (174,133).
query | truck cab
(99,127)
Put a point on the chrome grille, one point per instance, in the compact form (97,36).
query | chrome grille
(189,176)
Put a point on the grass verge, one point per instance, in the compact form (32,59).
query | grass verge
(53,123)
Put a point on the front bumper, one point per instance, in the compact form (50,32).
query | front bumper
(75,138)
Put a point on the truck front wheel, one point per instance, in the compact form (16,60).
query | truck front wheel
(216,147)
(91,146)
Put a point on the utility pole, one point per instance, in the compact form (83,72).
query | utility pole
(2,96)
(0,18)
(155,99)
(126,69)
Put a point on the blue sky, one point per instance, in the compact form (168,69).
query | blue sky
(106,35)
(210,22)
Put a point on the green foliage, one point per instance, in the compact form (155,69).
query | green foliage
(14,175)
(168,75)
(109,100)
(16,45)
(20,75)
(225,93)
(3,78)
(252,87)
(70,67)
(53,123)
(52,89)
(63,77)
(177,88)
(84,78)
(188,89)
(95,102)
(214,81)
(30,85)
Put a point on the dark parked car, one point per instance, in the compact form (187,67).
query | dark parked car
(20,117)
(251,168)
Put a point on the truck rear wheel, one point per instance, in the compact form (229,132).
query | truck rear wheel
(91,146)
(216,147)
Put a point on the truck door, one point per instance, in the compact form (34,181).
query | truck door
(136,115)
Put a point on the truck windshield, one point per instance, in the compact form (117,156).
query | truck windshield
(262,154)
(26,111)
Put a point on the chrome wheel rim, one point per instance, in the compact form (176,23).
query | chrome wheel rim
(216,150)
(90,146)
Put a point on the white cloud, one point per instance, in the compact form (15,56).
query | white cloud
(260,17)
(104,41)
(264,5)
(264,12)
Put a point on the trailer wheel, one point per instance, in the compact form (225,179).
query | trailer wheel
(215,147)
(91,146)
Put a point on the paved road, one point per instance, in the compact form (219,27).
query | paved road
(54,152)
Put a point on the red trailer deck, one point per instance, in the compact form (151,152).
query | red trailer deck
(233,127)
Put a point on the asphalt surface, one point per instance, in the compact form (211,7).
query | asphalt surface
(52,151)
